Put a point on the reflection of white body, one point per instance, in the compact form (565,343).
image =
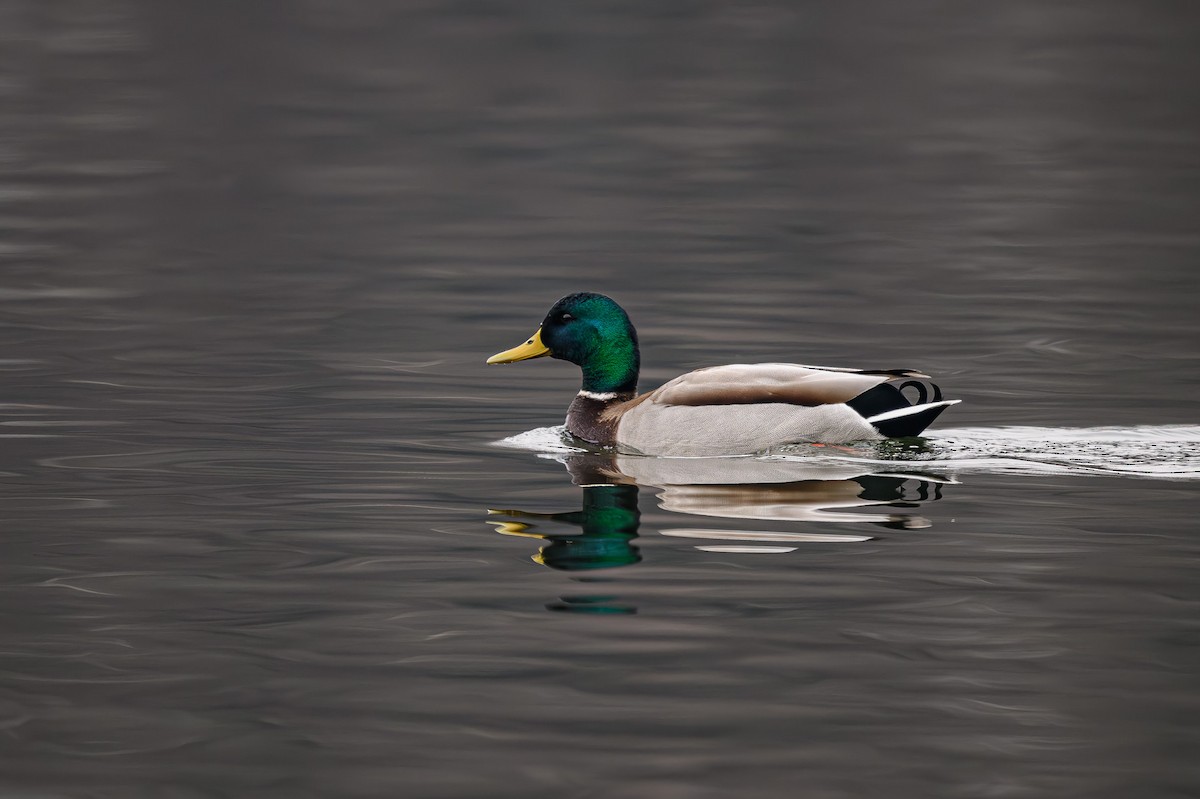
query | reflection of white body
(755,488)
(731,471)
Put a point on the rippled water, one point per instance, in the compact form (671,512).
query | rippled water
(1164,452)
(258,538)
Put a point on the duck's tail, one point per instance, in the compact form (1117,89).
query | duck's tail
(887,409)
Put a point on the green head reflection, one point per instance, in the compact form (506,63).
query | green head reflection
(607,524)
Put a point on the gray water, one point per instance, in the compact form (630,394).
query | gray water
(270,527)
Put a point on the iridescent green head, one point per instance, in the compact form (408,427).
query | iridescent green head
(589,330)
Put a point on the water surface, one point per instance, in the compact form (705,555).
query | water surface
(259,538)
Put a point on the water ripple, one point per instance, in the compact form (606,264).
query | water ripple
(1156,451)
(1164,452)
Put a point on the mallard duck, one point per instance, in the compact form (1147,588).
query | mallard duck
(720,410)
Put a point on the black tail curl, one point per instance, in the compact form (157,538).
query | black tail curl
(923,391)
(887,397)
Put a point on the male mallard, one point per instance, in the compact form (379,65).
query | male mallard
(722,410)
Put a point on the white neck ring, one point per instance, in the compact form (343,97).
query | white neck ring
(599,396)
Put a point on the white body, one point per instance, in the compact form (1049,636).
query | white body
(743,409)
(653,429)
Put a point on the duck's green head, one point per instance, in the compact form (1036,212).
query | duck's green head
(589,330)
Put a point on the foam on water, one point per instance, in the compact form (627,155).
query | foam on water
(1159,451)
(546,440)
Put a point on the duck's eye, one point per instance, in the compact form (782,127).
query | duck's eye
(565,317)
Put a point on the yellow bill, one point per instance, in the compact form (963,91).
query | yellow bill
(534,348)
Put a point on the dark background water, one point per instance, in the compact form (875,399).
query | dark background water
(252,257)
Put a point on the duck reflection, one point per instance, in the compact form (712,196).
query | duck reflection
(602,531)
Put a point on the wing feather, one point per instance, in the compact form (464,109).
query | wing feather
(789,383)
